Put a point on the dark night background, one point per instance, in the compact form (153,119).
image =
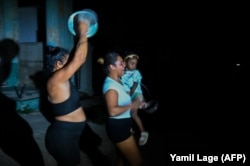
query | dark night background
(188,55)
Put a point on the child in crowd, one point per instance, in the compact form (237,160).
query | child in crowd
(132,82)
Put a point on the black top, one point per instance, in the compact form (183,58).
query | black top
(69,105)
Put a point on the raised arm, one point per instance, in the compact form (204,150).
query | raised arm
(79,55)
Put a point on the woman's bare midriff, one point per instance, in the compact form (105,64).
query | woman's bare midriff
(76,116)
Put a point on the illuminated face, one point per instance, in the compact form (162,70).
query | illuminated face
(132,64)
(119,66)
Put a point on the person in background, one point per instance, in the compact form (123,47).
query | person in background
(132,81)
(16,134)
(63,135)
(119,106)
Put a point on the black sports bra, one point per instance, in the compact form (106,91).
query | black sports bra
(69,105)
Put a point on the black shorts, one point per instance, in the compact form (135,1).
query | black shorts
(62,141)
(119,129)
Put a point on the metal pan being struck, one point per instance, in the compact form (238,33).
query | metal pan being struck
(87,15)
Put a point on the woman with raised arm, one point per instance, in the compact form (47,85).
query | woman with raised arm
(62,137)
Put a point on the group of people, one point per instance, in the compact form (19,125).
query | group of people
(122,94)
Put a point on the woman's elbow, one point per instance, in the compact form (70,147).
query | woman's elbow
(112,113)
(83,60)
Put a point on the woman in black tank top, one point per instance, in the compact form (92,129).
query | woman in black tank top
(63,135)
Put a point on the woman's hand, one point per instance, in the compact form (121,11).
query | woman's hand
(81,26)
(143,105)
(137,104)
